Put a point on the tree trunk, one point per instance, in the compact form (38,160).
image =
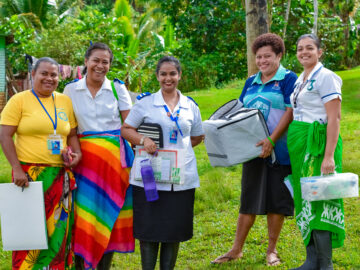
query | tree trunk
(256,24)
(286,17)
(270,12)
(316,12)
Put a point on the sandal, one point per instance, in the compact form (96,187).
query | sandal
(225,258)
(273,259)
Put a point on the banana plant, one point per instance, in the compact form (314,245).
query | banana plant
(138,35)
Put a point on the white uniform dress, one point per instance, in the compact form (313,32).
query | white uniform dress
(102,112)
(170,218)
(150,109)
(308,99)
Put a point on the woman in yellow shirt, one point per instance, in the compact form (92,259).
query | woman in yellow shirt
(43,123)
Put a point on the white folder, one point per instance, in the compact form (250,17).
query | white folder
(23,222)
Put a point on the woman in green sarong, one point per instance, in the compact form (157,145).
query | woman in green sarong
(315,148)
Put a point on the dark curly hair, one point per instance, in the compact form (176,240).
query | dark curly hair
(269,39)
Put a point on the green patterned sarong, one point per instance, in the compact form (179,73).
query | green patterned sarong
(306,144)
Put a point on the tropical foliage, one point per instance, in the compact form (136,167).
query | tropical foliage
(207,36)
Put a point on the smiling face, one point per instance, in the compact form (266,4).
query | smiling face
(98,65)
(267,61)
(168,77)
(45,79)
(308,53)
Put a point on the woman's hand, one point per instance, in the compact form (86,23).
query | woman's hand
(149,145)
(20,178)
(73,142)
(266,148)
(195,140)
(75,159)
(328,165)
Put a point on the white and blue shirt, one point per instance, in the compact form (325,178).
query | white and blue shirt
(271,98)
(309,97)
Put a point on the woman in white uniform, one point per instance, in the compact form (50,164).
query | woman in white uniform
(103,204)
(315,148)
(169,220)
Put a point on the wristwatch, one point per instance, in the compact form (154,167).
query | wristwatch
(142,140)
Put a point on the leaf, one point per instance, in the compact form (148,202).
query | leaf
(122,8)
(159,40)
(144,28)
(125,28)
(133,48)
(169,35)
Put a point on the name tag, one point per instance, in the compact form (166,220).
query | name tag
(55,144)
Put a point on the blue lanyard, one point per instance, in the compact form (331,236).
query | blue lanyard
(42,105)
(174,119)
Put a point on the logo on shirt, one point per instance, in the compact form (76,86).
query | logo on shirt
(311,86)
(276,86)
(261,104)
(62,114)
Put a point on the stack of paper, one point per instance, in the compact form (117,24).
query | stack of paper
(23,225)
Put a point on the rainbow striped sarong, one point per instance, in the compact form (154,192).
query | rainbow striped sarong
(58,185)
(103,203)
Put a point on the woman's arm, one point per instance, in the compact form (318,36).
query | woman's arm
(333,111)
(195,140)
(282,126)
(73,141)
(129,133)
(8,146)
(124,114)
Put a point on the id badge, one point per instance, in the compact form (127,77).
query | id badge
(173,136)
(55,144)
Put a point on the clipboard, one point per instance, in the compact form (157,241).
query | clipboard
(168,165)
(23,221)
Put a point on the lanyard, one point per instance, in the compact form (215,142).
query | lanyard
(301,86)
(174,119)
(42,105)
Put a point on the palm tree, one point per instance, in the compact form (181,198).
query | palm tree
(34,13)
(136,30)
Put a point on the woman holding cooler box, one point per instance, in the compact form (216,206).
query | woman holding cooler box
(263,191)
(168,220)
(315,148)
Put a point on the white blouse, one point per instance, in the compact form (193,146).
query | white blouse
(102,112)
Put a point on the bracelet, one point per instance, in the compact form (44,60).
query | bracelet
(142,140)
(271,141)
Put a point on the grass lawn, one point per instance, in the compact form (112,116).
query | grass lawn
(217,201)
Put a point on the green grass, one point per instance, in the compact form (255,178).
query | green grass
(217,201)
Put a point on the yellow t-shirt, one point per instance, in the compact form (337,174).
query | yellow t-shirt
(34,126)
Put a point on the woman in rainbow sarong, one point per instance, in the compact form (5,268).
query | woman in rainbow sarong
(103,203)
